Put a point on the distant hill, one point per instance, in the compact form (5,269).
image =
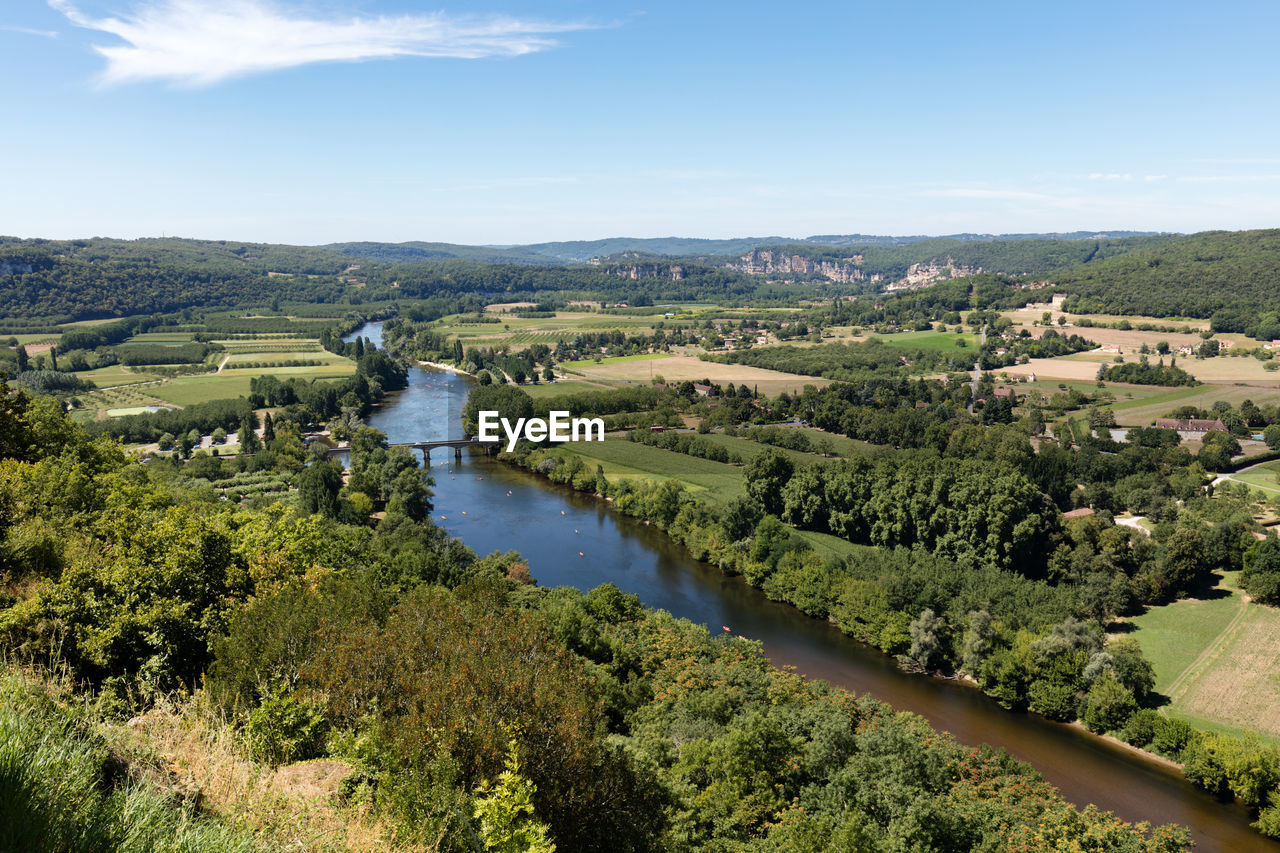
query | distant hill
(398,253)
(580,251)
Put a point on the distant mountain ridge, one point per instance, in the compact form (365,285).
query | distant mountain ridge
(581,251)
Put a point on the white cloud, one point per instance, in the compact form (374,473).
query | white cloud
(202,42)
(49,34)
(1110,176)
(1151,178)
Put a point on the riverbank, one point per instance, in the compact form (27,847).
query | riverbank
(588,487)
(447,367)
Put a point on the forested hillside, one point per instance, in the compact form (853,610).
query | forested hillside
(62,280)
(1193,276)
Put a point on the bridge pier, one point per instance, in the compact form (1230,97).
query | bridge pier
(457,452)
(426,457)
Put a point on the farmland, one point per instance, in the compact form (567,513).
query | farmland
(681,368)
(1215,658)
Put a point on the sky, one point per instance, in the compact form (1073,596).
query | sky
(514,121)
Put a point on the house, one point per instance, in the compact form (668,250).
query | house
(702,390)
(1082,512)
(1005,392)
(1191,424)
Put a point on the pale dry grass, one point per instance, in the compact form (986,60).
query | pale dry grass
(1237,683)
(185,749)
(1055,368)
(679,368)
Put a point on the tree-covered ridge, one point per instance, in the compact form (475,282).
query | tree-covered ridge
(61,280)
(442,680)
(1193,276)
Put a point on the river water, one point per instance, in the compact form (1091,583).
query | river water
(573,539)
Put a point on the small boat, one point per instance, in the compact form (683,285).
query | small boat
(580,554)
(562,512)
(726,628)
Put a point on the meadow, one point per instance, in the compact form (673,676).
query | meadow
(683,367)
(1214,660)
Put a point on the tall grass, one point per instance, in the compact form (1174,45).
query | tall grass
(61,791)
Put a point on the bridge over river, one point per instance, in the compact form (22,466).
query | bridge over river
(425,447)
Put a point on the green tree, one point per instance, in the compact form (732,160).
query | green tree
(1108,704)
(318,487)
(1185,562)
(1262,572)
(766,476)
(504,808)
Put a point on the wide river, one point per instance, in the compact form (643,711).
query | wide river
(572,539)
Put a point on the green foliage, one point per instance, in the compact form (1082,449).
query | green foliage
(504,808)
(284,728)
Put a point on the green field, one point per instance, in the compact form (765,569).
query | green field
(748,449)
(116,374)
(1216,660)
(553,389)
(188,390)
(162,338)
(929,340)
(1141,412)
(620,458)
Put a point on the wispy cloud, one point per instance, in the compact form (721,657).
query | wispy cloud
(200,43)
(49,34)
(1110,176)
(978,192)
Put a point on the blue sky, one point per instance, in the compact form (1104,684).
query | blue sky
(312,121)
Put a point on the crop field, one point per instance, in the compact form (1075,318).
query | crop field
(1029,315)
(120,399)
(682,367)
(621,458)
(189,390)
(175,338)
(1216,660)
(621,359)
(40,340)
(1139,412)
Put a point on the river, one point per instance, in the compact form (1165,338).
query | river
(573,539)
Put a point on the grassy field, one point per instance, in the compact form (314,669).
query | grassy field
(553,389)
(188,390)
(1216,660)
(748,449)
(162,338)
(116,374)
(715,481)
(680,368)
(1265,477)
(1139,412)
(621,359)
(927,340)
